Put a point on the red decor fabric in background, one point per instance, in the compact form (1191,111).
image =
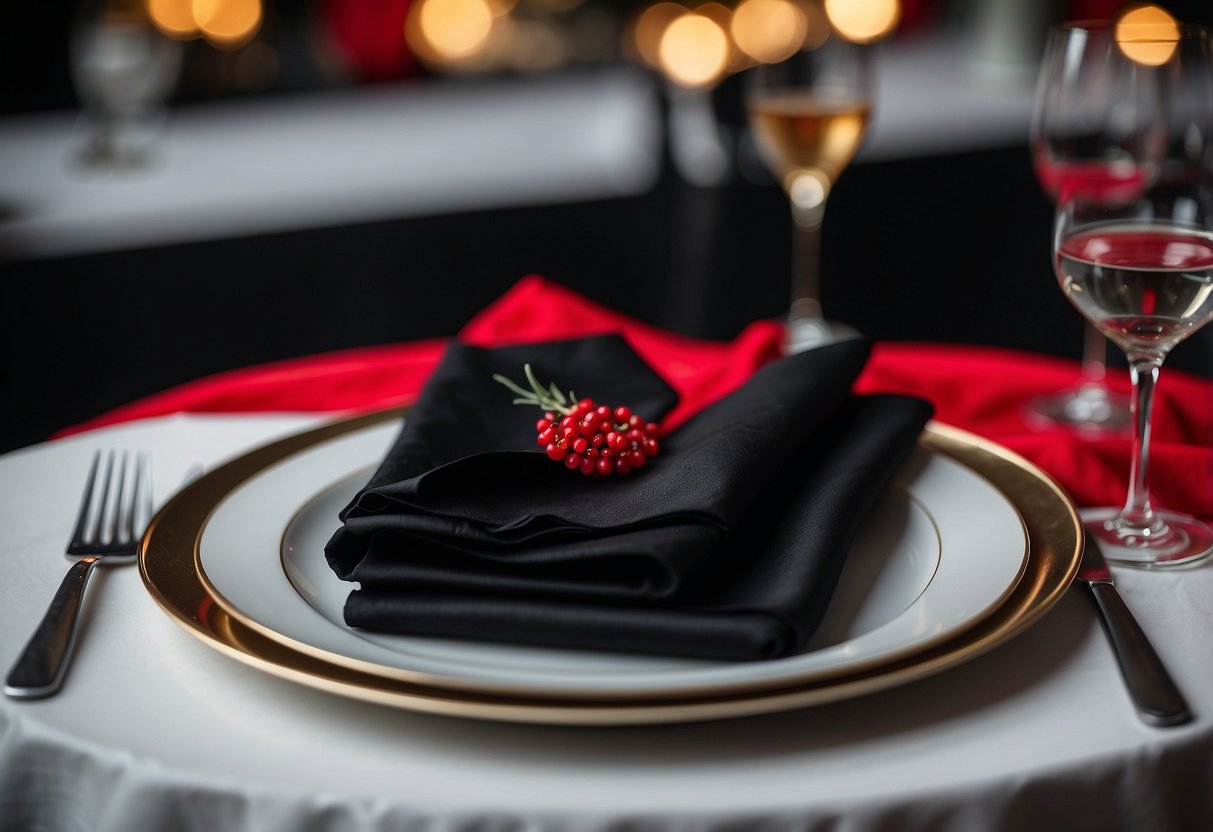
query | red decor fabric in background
(368,36)
(979,389)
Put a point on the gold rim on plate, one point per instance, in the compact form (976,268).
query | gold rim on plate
(169,549)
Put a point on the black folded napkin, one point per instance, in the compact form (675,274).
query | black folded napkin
(727,545)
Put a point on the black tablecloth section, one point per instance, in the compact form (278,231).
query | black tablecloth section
(727,545)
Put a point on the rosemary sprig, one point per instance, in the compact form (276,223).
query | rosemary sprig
(546,398)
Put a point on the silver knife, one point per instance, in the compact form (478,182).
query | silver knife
(1155,695)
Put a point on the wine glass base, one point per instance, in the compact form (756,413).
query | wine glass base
(807,333)
(1183,541)
(1090,408)
(108,157)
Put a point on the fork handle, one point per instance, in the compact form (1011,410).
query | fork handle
(1158,700)
(42,665)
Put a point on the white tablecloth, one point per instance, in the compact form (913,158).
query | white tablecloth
(154,730)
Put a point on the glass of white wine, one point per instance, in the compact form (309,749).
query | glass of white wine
(1141,271)
(808,115)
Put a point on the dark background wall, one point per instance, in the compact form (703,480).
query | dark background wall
(950,249)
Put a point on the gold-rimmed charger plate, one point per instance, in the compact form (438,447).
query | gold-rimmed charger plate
(167,565)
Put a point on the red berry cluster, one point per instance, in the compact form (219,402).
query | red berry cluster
(596,440)
(590,438)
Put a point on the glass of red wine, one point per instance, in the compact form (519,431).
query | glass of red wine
(1140,269)
(1086,143)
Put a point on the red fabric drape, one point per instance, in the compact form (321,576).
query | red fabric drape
(983,390)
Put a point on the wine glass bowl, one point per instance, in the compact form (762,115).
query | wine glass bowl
(1139,268)
(808,115)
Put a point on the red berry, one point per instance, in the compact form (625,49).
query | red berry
(586,467)
(568,422)
(604,466)
(598,440)
(543,424)
(585,405)
(623,413)
(556,452)
(649,446)
(637,459)
(592,453)
(547,435)
(622,466)
(653,429)
(617,441)
(636,435)
(602,412)
(580,445)
(573,460)
(635,420)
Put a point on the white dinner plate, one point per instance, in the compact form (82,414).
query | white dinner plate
(942,549)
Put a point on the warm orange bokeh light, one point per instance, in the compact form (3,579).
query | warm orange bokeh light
(694,51)
(174,18)
(450,30)
(769,31)
(649,28)
(722,16)
(1148,35)
(863,21)
(228,22)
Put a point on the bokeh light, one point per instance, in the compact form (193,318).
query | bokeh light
(694,51)
(228,22)
(722,16)
(1147,34)
(224,23)
(863,21)
(769,31)
(649,27)
(174,18)
(447,31)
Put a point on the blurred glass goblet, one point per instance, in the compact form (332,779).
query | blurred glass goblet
(1088,143)
(123,69)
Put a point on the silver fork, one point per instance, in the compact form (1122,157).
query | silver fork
(111,520)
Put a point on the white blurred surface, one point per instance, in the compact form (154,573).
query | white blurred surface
(259,166)
(251,167)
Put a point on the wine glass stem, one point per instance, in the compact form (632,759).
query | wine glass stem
(806,261)
(1094,356)
(1137,514)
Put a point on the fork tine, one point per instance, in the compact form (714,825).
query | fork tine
(142,513)
(86,502)
(124,507)
(108,513)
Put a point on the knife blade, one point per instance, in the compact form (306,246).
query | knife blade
(1154,693)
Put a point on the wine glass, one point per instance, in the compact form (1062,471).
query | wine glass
(123,68)
(808,115)
(1141,271)
(1085,142)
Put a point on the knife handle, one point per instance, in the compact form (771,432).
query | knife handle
(1154,693)
(41,667)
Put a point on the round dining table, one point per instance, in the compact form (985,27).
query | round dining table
(155,730)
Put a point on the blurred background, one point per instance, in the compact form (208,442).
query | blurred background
(191,186)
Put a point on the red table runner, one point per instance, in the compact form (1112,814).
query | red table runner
(980,389)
